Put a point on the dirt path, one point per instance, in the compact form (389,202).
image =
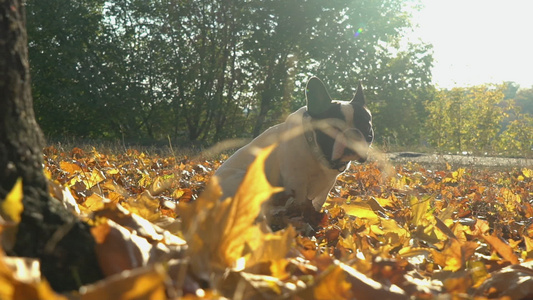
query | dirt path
(459,160)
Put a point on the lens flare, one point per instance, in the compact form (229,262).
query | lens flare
(358,32)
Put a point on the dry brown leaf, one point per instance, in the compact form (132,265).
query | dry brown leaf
(333,285)
(243,285)
(457,282)
(70,167)
(64,195)
(196,212)
(115,192)
(455,254)
(20,279)
(126,241)
(139,225)
(94,178)
(143,283)
(481,228)
(117,249)
(341,281)
(93,203)
(529,244)
(160,185)
(200,231)
(144,205)
(274,247)
(502,248)
(384,202)
(514,282)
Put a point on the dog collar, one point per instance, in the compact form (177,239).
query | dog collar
(315,149)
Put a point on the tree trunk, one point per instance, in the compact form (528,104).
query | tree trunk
(47,230)
(264,107)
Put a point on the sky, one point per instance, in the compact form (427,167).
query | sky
(478,41)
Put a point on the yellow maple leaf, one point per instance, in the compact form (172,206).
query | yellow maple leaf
(93,203)
(70,167)
(20,278)
(504,249)
(244,208)
(334,285)
(528,173)
(419,208)
(141,283)
(144,205)
(361,210)
(456,176)
(11,207)
(272,247)
(219,232)
(94,178)
(455,254)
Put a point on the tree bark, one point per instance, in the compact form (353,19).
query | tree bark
(47,230)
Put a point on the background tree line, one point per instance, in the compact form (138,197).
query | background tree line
(482,119)
(210,70)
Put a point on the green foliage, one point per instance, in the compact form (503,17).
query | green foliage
(64,61)
(524,99)
(518,134)
(210,70)
(472,120)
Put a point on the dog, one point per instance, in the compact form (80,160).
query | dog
(314,145)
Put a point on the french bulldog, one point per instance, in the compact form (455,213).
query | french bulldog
(314,145)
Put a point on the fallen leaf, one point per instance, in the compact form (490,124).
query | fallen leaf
(241,212)
(141,283)
(117,249)
(20,279)
(502,248)
(71,167)
(419,208)
(333,285)
(221,230)
(144,205)
(514,282)
(361,209)
(364,288)
(11,207)
(244,285)
(10,210)
(455,254)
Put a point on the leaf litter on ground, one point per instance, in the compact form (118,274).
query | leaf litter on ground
(391,232)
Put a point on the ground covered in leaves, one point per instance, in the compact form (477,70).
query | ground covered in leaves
(398,231)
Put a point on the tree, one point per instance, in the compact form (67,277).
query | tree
(524,99)
(47,230)
(344,42)
(209,70)
(466,119)
(517,139)
(67,65)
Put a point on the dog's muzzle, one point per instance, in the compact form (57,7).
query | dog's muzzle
(357,146)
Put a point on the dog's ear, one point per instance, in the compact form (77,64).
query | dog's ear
(359,97)
(318,99)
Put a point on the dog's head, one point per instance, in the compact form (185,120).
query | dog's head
(343,129)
